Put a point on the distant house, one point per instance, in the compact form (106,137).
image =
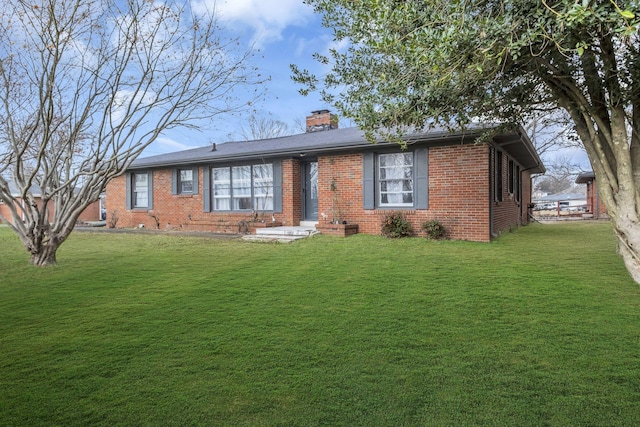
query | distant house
(564,200)
(328,175)
(595,206)
(91,213)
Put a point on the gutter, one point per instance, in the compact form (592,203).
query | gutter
(292,152)
(492,233)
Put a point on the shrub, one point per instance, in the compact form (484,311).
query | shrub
(113,221)
(395,225)
(434,229)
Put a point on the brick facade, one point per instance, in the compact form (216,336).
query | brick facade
(595,205)
(459,196)
(512,209)
(91,213)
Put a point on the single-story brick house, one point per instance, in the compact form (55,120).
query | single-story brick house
(91,213)
(595,205)
(330,175)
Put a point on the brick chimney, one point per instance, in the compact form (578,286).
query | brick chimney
(321,120)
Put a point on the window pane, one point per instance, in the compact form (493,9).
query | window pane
(141,190)
(186,181)
(241,187)
(221,189)
(263,187)
(396,179)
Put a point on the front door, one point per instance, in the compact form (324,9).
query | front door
(310,191)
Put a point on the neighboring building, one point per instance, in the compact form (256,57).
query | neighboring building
(595,206)
(91,213)
(569,201)
(477,190)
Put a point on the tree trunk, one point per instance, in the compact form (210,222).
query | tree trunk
(43,244)
(45,255)
(628,233)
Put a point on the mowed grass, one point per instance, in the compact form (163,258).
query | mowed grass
(541,327)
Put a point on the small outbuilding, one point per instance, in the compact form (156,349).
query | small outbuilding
(595,206)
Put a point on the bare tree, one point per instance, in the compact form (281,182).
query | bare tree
(561,176)
(85,86)
(552,130)
(259,127)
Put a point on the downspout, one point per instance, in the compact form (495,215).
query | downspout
(530,191)
(492,187)
(597,198)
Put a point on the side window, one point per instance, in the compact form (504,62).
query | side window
(391,180)
(499,176)
(517,183)
(511,177)
(184,181)
(139,190)
(263,187)
(395,179)
(221,189)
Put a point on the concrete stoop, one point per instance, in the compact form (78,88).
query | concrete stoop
(284,234)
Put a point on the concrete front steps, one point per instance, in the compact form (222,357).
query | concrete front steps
(284,234)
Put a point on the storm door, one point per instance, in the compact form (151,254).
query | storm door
(310,191)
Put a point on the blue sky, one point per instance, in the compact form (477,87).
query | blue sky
(282,32)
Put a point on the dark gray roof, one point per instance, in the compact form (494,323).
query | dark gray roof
(585,177)
(515,143)
(15,191)
(562,197)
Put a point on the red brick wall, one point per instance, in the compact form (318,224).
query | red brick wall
(4,211)
(91,213)
(593,199)
(340,188)
(458,192)
(322,121)
(291,193)
(509,213)
(459,197)
(171,211)
(185,212)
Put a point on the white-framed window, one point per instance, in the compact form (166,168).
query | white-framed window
(221,189)
(140,186)
(139,190)
(185,181)
(244,187)
(395,179)
(263,187)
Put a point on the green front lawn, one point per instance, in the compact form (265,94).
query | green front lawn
(541,327)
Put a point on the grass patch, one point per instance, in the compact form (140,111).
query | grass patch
(540,327)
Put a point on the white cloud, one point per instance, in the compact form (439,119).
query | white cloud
(168,144)
(266,18)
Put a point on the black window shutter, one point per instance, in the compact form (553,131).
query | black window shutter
(150,181)
(195,179)
(206,189)
(421,181)
(368,184)
(174,181)
(127,178)
(277,186)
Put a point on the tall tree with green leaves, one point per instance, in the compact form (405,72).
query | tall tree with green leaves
(87,85)
(418,62)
